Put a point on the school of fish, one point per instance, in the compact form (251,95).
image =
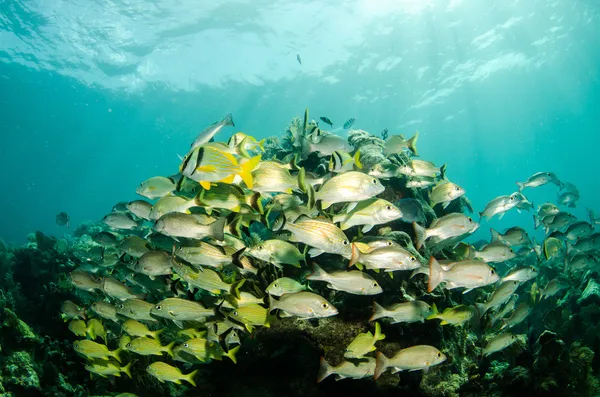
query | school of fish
(181,276)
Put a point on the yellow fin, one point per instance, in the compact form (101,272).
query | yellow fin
(246,170)
(205,185)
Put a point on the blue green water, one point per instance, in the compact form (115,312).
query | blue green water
(97,96)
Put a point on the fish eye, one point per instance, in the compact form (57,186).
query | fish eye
(492,271)
(76,345)
(533,269)
(374,181)
(324,305)
(412,259)
(128,345)
(186,345)
(275,285)
(470,220)
(439,355)
(235,313)
(388,207)
(457,188)
(158,307)
(345,242)
(375,285)
(389,243)
(148,368)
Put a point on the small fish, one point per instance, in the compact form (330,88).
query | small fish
(547,209)
(552,246)
(539,179)
(169,204)
(244,143)
(105,310)
(120,220)
(95,329)
(446,227)
(368,213)
(387,258)
(78,327)
(245,299)
(278,180)
(552,288)
(277,252)
(420,357)
(352,282)
(251,316)
(521,312)
(140,208)
(567,199)
(324,145)
(422,168)
(303,305)
(136,309)
(322,235)
(500,296)
(522,274)
(231,339)
(457,315)
(165,372)
(326,121)
(285,285)
(134,246)
(495,252)
(136,329)
(206,164)
(178,309)
(84,281)
(201,253)
(206,279)
(364,343)
(512,236)
(384,170)
(347,369)
(116,289)
(396,143)
(405,312)
(498,343)
(500,205)
(62,219)
(349,123)
(70,310)
(411,209)
(205,350)
(579,230)
(229,197)
(156,187)
(108,368)
(469,274)
(444,193)
(350,187)
(91,349)
(420,183)
(508,307)
(341,161)
(149,347)
(177,225)
(209,132)
(154,263)
(299,59)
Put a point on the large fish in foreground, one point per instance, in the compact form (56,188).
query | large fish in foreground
(469,274)
(420,357)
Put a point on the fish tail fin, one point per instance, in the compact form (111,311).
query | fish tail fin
(246,170)
(156,334)
(311,200)
(324,370)
(190,377)
(521,186)
(301,179)
(169,349)
(434,312)
(235,288)
(228,121)
(355,255)
(378,335)
(317,274)
(127,370)
(357,159)
(381,365)
(216,229)
(481,308)
(412,144)
(443,171)
(378,311)
(91,332)
(495,235)
(420,235)
(272,303)
(436,274)
(536,222)
(116,354)
(261,144)
(231,354)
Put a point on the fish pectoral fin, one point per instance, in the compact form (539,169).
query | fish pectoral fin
(172,313)
(206,168)
(367,228)
(315,252)
(205,185)
(284,314)
(351,206)
(228,180)
(467,290)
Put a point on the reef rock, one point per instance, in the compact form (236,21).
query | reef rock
(591,293)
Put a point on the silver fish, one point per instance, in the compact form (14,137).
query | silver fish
(303,305)
(353,282)
(469,274)
(209,132)
(405,312)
